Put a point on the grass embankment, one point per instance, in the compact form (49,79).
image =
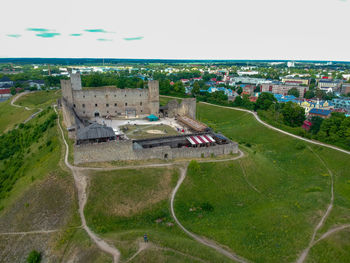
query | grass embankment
(39,99)
(125,204)
(37,194)
(11,116)
(275,223)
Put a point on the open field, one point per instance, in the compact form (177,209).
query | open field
(148,131)
(11,116)
(39,99)
(265,206)
(125,204)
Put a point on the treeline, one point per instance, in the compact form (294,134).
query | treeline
(16,144)
(290,116)
(108,79)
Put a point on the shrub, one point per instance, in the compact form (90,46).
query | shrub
(300,146)
(206,206)
(34,257)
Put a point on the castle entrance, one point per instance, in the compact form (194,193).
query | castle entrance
(97,114)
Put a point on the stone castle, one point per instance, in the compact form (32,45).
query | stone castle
(97,143)
(110,101)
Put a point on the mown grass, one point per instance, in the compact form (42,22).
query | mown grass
(39,99)
(11,116)
(125,204)
(276,224)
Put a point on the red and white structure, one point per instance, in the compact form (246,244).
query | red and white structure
(200,139)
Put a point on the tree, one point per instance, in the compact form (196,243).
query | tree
(265,100)
(316,124)
(13,90)
(196,88)
(293,114)
(239,90)
(294,92)
(179,87)
(309,94)
(34,257)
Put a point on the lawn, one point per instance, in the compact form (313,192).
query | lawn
(275,223)
(148,131)
(124,204)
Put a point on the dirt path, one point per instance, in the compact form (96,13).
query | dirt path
(305,253)
(26,108)
(29,232)
(246,178)
(199,239)
(81,184)
(332,231)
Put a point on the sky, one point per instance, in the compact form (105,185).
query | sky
(181,29)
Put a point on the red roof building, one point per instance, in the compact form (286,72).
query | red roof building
(307,125)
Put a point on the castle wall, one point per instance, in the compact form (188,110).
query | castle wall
(123,150)
(110,101)
(66,88)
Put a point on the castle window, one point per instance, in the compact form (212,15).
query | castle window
(107,105)
(83,96)
(106,96)
(115,111)
(83,105)
(115,95)
(141,110)
(107,111)
(83,112)
(115,104)
(126,104)
(96,105)
(74,105)
(95,96)
(125,95)
(140,94)
(141,103)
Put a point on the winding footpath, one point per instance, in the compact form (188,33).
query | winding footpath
(81,184)
(199,239)
(26,108)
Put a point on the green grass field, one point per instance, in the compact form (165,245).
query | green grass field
(39,99)
(125,204)
(11,116)
(276,223)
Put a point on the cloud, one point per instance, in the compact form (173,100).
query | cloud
(14,35)
(103,39)
(37,29)
(48,35)
(75,35)
(96,30)
(133,38)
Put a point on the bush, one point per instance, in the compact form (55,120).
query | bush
(300,146)
(34,257)
(207,207)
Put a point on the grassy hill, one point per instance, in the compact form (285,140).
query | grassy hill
(123,205)
(37,193)
(266,205)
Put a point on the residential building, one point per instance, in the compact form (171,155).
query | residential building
(6,82)
(296,81)
(342,103)
(280,88)
(345,88)
(320,113)
(329,85)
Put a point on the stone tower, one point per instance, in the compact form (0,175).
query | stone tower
(75,81)
(153,97)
